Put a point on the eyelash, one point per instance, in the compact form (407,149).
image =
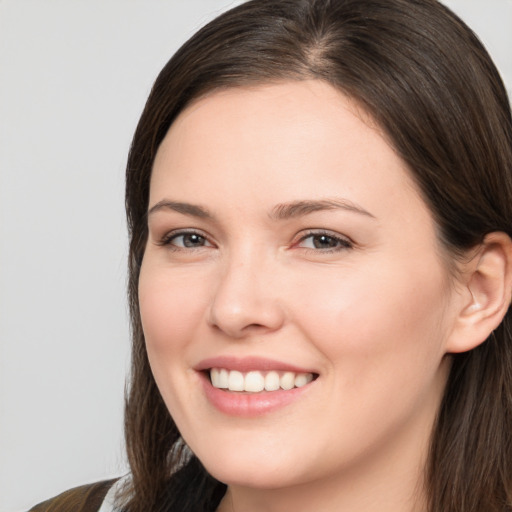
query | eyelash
(342,242)
(167,240)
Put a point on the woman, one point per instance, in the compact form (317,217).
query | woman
(319,199)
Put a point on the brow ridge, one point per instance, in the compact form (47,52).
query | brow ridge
(180,207)
(304,207)
(279,212)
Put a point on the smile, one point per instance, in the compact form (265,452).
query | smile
(258,381)
(253,386)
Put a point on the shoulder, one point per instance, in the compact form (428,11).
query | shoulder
(86,498)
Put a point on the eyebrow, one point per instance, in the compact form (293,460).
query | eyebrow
(305,207)
(279,212)
(186,208)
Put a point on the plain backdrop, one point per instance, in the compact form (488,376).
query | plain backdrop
(74,76)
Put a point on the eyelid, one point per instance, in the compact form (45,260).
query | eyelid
(166,239)
(345,241)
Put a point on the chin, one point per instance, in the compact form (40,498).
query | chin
(255,475)
(259,467)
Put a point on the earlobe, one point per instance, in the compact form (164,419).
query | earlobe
(488,281)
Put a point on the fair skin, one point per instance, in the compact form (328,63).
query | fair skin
(285,234)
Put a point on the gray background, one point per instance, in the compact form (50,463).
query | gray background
(74,75)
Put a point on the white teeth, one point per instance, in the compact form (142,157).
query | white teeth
(219,378)
(214,377)
(302,379)
(288,380)
(272,381)
(223,378)
(236,381)
(255,381)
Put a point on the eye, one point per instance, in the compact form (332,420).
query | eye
(324,241)
(186,240)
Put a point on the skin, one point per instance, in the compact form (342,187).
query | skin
(373,315)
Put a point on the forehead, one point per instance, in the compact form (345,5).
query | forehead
(292,135)
(239,153)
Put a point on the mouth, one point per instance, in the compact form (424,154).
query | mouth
(253,386)
(256,381)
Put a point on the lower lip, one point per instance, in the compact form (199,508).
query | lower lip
(250,404)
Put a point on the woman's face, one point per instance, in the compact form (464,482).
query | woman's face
(289,248)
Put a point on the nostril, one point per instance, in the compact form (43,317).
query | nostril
(241,306)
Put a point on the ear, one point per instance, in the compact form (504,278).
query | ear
(486,296)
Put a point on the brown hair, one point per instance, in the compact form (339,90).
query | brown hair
(425,78)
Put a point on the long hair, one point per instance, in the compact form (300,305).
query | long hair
(424,77)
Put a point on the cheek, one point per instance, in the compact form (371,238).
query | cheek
(171,306)
(382,338)
(387,315)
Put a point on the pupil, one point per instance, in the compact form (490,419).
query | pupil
(192,240)
(323,241)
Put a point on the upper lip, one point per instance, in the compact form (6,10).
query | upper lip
(247,364)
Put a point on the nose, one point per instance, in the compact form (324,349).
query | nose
(245,300)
